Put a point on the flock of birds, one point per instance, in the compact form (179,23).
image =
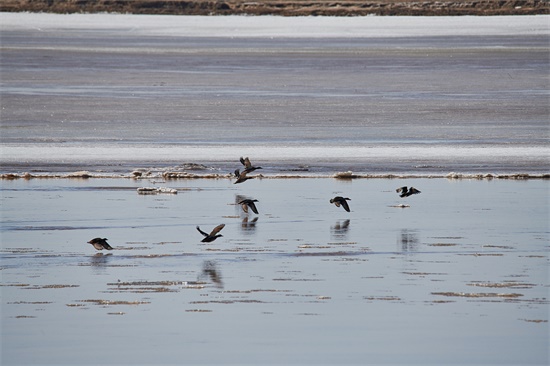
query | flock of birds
(101,243)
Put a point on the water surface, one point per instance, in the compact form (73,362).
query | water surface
(460,276)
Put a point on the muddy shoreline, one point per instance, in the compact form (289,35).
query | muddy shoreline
(284,7)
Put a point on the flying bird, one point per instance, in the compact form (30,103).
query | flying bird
(100,243)
(248,166)
(406,192)
(245,204)
(341,201)
(213,234)
(241,176)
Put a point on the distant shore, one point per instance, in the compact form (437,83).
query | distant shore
(284,7)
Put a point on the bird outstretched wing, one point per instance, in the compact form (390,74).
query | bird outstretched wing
(202,232)
(217,229)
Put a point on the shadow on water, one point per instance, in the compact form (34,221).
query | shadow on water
(340,229)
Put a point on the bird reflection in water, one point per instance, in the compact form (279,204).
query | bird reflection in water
(248,226)
(408,240)
(211,272)
(340,229)
(99,260)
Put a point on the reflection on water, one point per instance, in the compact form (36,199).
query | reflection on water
(100,260)
(291,278)
(211,272)
(340,229)
(248,226)
(408,240)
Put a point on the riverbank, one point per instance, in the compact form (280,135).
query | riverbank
(283,7)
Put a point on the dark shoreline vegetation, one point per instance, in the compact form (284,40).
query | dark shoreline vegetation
(284,7)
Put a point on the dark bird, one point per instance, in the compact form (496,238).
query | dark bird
(248,166)
(341,201)
(241,176)
(100,244)
(245,204)
(406,192)
(213,235)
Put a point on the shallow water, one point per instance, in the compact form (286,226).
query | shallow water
(460,276)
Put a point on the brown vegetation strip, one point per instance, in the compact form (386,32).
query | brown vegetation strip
(503,284)
(112,302)
(284,7)
(477,295)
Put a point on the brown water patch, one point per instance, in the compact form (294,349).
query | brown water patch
(133,248)
(448,237)
(112,302)
(36,287)
(141,256)
(382,298)
(152,286)
(198,311)
(422,274)
(141,290)
(18,250)
(478,295)
(518,285)
(484,254)
(228,302)
(223,250)
(252,291)
(309,246)
(497,246)
(535,320)
(320,254)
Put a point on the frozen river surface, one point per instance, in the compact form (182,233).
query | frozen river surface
(384,95)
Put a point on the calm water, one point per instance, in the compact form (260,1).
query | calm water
(459,277)
(385,95)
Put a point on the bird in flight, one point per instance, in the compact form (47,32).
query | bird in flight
(341,201)
(100,243)
(213,234)
(241,176)
(245,204)
(406,192)
(248,166)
